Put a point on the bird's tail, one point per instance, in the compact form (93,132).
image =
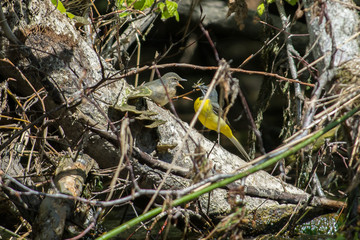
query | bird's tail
(239,147)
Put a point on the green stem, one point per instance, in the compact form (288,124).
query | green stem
(226,181)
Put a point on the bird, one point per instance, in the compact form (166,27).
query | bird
(155,90)
(210,119)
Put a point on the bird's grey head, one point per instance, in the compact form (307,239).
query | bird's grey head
(173,79)
(213,94)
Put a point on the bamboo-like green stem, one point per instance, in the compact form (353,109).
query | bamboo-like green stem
(226,181)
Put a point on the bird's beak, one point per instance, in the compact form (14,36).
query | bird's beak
(182,80)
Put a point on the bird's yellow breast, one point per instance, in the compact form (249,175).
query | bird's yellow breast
(209,119)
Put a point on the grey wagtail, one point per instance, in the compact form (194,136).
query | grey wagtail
(155,90)
(210,119)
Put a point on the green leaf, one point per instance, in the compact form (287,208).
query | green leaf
(176,15)
(168,10)
(260,9)
(59,5)
(139,5)
(119,4)
(123,14)
(132,4)
(292,2)
(171,7)
(148,3)
(70,15)
(161,6)
(61,8)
